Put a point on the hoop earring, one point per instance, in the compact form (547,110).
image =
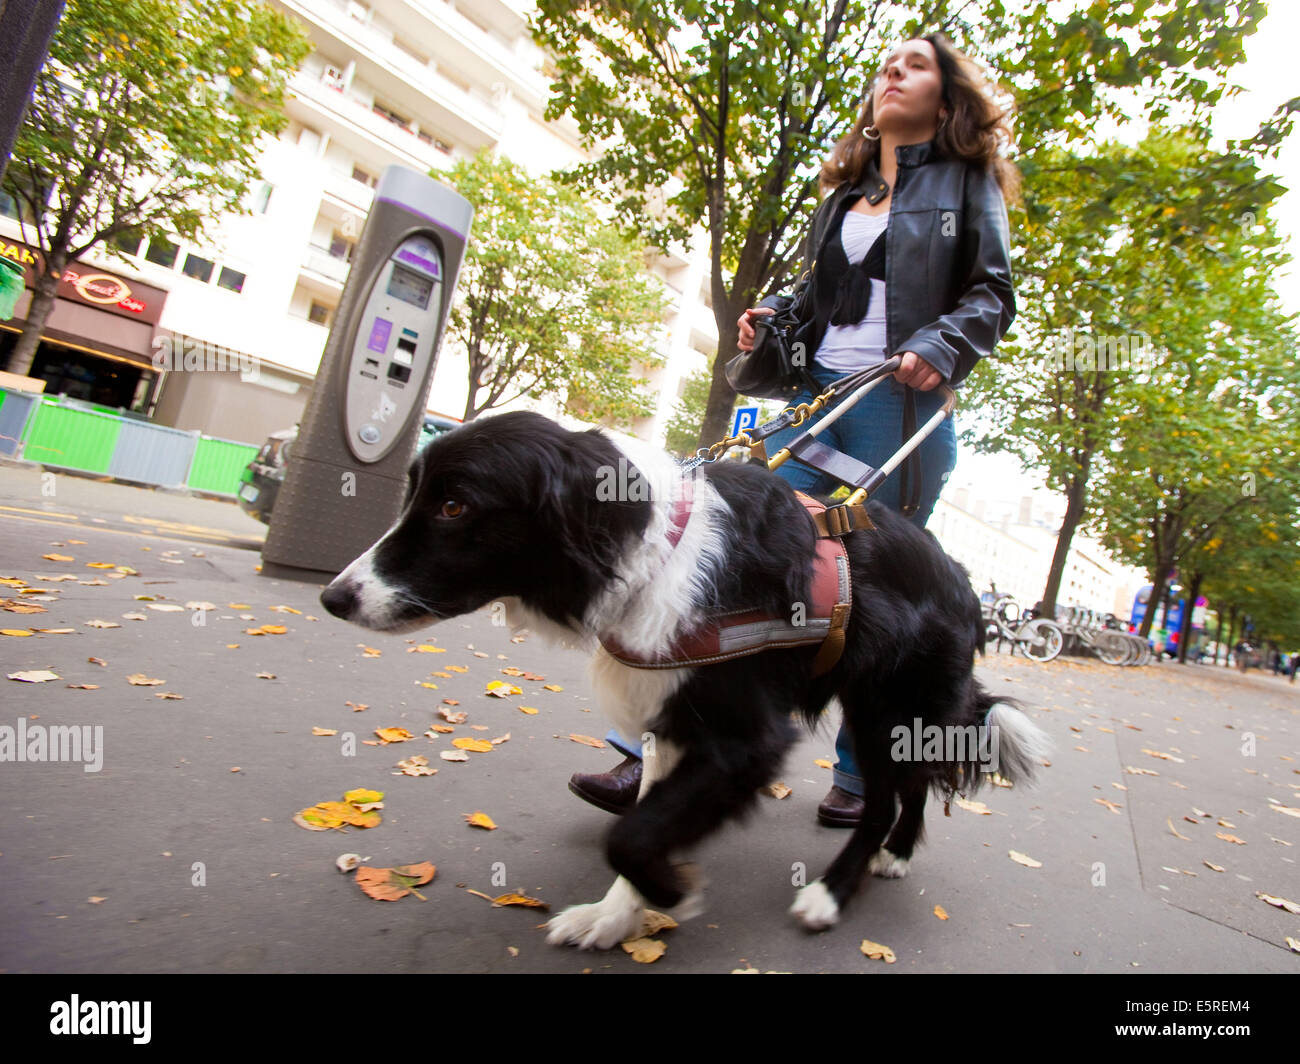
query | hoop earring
(871,133)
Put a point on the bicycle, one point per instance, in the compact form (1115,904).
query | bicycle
(1038,637)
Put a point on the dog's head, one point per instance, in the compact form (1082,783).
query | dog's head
(509,506)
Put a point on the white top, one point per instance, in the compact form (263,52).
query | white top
(851,347)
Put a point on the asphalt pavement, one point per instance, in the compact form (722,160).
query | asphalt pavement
(1172,799)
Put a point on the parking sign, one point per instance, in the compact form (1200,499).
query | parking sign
(746,418)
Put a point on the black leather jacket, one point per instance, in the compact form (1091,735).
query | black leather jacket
(949,294)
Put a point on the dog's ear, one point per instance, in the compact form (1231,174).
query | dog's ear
(591,498)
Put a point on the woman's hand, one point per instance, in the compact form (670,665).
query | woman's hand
(917,372)
(746,342)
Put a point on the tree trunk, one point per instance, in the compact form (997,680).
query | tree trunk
(722,398)
(1158,585)
(1075,499)
(1232,640)
(1218,637)
(1185,628)
(46,291)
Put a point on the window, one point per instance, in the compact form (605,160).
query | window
(262,199)
(162,253)
(127,243)
(319,313)
(364,177)
(199,269)
(231,279)
(391,116)
(341,247)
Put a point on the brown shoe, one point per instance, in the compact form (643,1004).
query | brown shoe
(614,791)
(840,809)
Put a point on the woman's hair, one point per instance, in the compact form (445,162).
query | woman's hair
(975,129)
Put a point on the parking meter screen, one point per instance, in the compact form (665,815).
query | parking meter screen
(410,287)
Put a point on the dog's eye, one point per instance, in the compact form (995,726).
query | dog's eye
(452,508)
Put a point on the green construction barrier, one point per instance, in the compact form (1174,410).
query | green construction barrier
(217,465)
(74,439)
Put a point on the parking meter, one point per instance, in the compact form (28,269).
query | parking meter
(346,473)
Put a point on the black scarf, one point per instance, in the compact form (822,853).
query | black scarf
(853,296)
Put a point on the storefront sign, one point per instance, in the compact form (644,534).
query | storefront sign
(88,284)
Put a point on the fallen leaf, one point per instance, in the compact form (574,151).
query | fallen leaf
(972,807)
(417,765)
(102,565)
(135,616)
(877,952)
(1292,907)
(390,884)
(440,729)
(425,648)
(587,740)
(644,950)
(480,820)
(83,686)
(94,899)
(1114,807)
(1179,834)
(200,606)
(1140,771)
(778,790)
(552,687)
(1020,858)
(271,629)
(822,763)
(358,707)
(1163,756)
(284,609)
(362,795)
(522,900)
(266,676)
(139,679)
(510,670)
(480,654)
(498,689)
(458,668)
(97,661)
(1284,809)
(103,624)
(528,709)
(940,912)
(478,746)
(431,686)
(54,631)
(168,695)
(60,558)
(1225,823)
(1214,867)
(166,607)
(1229,838)
(34,676)
(324,731)
(394,735)
(453,755)
(459,717)
(371,652)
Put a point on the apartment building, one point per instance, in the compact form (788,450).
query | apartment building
(243,318)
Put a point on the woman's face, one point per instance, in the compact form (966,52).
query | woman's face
(908,92)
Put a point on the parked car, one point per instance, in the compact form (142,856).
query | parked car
(260,482)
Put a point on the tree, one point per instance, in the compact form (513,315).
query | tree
(1138,282)
(552,299)
(145,122)
(731,107)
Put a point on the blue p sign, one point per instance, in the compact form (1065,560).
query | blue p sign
(746,418)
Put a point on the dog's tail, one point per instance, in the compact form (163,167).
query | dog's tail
(1014,746)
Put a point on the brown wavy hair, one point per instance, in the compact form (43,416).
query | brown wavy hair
(976,130)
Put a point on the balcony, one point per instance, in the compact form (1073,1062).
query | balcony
(349,191)
(319,261)
(410,85)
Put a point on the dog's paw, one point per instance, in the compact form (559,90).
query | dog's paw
(596,926)
(887,865)
(815,908)
(692,903)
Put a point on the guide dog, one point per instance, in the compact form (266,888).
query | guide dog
(573,532)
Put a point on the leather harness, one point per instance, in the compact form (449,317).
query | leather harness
(738,633)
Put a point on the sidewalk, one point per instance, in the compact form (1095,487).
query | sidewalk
(180,854)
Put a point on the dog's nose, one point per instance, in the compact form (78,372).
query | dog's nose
(339,599)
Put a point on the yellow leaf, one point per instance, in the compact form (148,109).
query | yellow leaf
(394,735)
(820,763)
(552,687)
(480,820)
(527,709)
(324,731)
(645,950)
(362,796)
(587,740)
(57,558)
(502,690)
(940,912)
(479,746)
(14,631)
(1020,858)
(426,648)
(521,899)
(877,952)
(458,668)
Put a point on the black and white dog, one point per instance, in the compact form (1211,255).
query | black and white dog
(570,530)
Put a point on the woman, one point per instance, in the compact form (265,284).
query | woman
(911,255)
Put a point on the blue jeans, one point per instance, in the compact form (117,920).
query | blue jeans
(870,432)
